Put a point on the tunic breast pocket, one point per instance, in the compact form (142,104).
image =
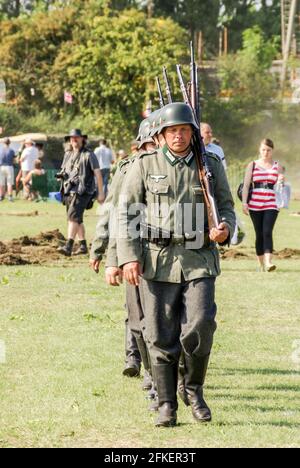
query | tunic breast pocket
(158,198)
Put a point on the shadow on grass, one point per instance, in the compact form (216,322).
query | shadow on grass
(255,371)
(283,424)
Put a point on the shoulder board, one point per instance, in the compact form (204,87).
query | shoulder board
(124,163)
(213,156)
(144,154)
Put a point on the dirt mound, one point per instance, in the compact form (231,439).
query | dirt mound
(3,248)
(54,238)
(32,250)
(233,254)
(288,253)
(13,260)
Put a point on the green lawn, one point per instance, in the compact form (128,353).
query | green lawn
(63,329)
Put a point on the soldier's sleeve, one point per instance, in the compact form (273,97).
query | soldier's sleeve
(112,258)
(107,213)
(131,203)
(224,198)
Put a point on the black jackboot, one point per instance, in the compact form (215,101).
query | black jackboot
(165,377)
(133,357)
(147,382)
(196,369)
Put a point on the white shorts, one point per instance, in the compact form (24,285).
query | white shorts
(6,175)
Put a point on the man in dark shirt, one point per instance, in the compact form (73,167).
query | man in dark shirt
(7,156)
(79,169)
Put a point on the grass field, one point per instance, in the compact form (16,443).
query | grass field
(62,327)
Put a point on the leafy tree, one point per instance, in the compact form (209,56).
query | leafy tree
(245,76)
(112,71)
(28,49)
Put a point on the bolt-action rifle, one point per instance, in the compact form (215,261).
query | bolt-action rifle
(205,176)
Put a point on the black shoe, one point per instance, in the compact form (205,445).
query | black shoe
(132,369)
(83,250)
(200,410)
(167,415)
(147,382)
(182,393)
(65,250)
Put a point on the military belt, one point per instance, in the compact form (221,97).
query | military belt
(163,238)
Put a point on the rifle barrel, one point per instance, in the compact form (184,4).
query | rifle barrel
(168,87)
(161,98)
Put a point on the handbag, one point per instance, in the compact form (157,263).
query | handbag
(241,188)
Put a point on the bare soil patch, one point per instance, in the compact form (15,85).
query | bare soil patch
(37,250)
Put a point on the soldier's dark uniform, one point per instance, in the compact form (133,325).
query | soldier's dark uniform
(178,285)
(135,348)
(105,242)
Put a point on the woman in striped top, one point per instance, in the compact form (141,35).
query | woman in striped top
(262,206)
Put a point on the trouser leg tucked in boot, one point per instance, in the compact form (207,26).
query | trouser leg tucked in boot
(196,369)
(166,381)
(133,357)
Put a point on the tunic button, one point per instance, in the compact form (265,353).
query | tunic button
(180,165)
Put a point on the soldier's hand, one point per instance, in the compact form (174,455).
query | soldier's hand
(220,234)
(114,276)
(95,265)
(132,272)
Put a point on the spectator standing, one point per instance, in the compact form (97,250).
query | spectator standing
(80,168)
(7,157)
(106,159)
(37,171)
(262,206)
(207,135)
(28,157)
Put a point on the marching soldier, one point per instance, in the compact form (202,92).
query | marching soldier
(175,271)
(135,348)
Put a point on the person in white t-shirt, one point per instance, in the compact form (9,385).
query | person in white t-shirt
(207,135)
(106,159)
(28,157)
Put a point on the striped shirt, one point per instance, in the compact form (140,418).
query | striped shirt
(264,198)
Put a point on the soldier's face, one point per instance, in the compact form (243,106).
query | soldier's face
(179,137)
(76,143)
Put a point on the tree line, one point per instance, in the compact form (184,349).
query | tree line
(108,53)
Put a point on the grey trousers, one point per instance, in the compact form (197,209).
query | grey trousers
(136,323)
(179,317)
